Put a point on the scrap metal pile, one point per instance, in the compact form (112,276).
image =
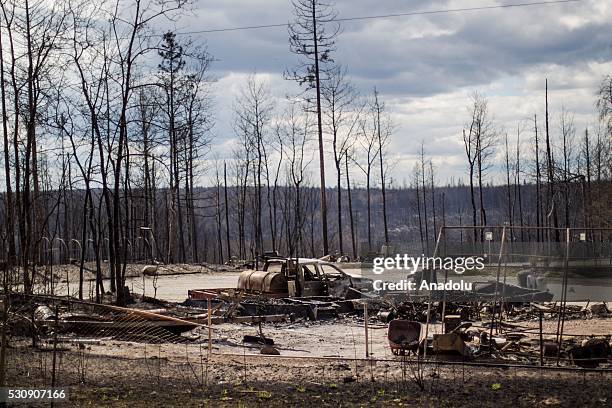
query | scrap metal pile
(469,333)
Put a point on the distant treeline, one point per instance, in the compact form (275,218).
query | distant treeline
(407,223)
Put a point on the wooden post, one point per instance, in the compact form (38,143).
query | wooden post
(55,329)
(561,320)
(541,341)
(208,302)
(365,325)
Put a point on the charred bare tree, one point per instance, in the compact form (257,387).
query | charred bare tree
(517,184)
(552,208)
(243,158)
(416,183)
(479,146)
(253,115)
(432,184)
(348,156)
(171,53)
(296,133)
(227,224)
(341,122)
(509,202)
(383,131)
(35,31)
(312,37)
(126,32)
(423,171)
(10,209)
(273,201)
(568,132)
(368,137)
(471,158)
(538,180)
(586,152)
(218,213)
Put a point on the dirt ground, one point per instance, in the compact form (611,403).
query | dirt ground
(321,363)
(175,375)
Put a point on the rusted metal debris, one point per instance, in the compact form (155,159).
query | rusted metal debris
(450,344)
(303,277)
(466,339)
(404,336)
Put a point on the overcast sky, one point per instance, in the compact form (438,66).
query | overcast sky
(426,67)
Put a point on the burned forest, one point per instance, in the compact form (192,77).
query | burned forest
(305,203)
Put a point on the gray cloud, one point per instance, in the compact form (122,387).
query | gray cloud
(426,66)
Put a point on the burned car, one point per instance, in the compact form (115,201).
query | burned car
(303,277)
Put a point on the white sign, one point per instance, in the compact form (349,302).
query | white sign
(583,236)
(489,236)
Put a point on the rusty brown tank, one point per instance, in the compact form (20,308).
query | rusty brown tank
(263,282)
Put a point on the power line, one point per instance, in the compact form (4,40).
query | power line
(381,16)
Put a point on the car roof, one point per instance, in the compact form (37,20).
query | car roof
(306,261)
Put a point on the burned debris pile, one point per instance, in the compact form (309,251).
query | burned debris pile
(494,323)
(453,331)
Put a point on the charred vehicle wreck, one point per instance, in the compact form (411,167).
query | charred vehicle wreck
(303,277)
(296,287)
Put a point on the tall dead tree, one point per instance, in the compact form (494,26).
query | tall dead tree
(586,151)
(568,132)
(423,172)
(479,146)
(518,197)
(8,18)
(273,195)
(243,156)
(253,114)
(552,208)
(171,65)
(296,134)
(471,158)
(312,37)
(347,157)
(127,30)
(93,67)
(509,203)
(341,123)
(227,224)
(35,31)
(432,184)
(383,131)
(416,182)
(10,210)
(538,179)
(218,213)
(198,122)
(368,137)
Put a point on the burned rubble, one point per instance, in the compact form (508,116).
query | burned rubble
(455,326)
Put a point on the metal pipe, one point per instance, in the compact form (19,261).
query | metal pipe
(423,361)
(501,252)
(435,253)
(365,325)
